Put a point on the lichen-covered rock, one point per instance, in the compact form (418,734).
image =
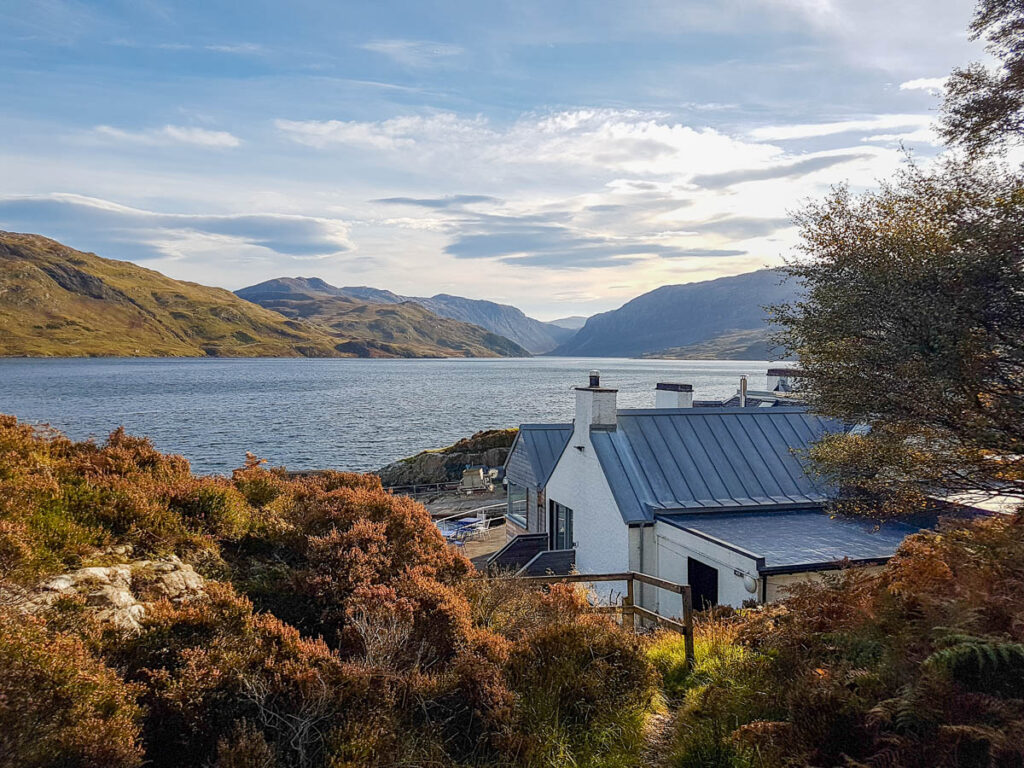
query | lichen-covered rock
(119,594)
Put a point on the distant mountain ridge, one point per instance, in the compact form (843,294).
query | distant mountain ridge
(724,317)
(505,320)
(377,327)
(571,323)
(56,301)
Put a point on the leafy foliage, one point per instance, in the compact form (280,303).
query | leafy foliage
(984,108)
(913,323)
(60,705)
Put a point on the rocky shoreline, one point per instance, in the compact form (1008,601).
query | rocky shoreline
(488,448)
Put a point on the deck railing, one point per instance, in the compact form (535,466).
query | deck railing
(421,488)
(628,608)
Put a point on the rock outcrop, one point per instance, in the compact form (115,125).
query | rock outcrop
(487,449)
(119,594)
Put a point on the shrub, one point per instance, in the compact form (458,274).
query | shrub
(582,690)
(212,664)
(59,704)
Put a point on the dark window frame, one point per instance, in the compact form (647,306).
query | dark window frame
(560,536)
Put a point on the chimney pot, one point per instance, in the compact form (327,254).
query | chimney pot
(595,379)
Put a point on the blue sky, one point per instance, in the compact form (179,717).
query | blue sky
(560,156)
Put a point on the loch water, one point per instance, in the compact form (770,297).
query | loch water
(350,414)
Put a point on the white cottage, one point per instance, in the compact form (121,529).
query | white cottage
(711,495)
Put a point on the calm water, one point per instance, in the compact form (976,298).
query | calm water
(343,414)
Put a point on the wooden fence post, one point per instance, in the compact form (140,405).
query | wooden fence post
(688,623)
(627,607)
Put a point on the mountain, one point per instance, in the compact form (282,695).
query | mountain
(373,295)
(716,314)
(505,320)
(752,344)
(377,329)
(56,301)
(571,323)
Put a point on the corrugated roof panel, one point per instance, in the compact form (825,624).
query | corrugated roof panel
(771,466)
(623,474)
(706,459)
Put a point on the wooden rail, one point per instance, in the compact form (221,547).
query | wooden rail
(420,488)
(628,608)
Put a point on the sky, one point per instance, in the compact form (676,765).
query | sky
(563,156)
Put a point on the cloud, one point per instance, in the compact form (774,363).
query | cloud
(241,49)
(170,135)
(539,241)
(451,201)
(624,140)
(922,135)
(387,135)
(414,53)
(740,227)
(811,130)
(711,253)
(782,171)
(123,232)
(932,84)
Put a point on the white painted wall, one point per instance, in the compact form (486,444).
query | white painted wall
(601,537)
(673,548)
(593,406)
(776,587)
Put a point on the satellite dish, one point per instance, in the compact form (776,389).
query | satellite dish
(750,584)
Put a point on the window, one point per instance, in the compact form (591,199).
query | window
(516,511)
(561,526)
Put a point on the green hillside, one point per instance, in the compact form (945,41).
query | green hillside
(404,329)
(59,302)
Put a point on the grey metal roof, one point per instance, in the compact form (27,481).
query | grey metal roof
(797,540)
(535,452)
(755,399)
(694,459)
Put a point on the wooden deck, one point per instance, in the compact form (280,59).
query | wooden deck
(479,549)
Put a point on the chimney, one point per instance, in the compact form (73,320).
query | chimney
(670,394)
(783,379)
(595,408)
(743,391)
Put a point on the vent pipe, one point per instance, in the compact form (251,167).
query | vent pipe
(743,391)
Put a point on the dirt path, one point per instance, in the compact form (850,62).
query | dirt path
(658,737)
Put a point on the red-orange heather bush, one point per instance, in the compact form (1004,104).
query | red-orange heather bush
(350,634)
(59,704)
